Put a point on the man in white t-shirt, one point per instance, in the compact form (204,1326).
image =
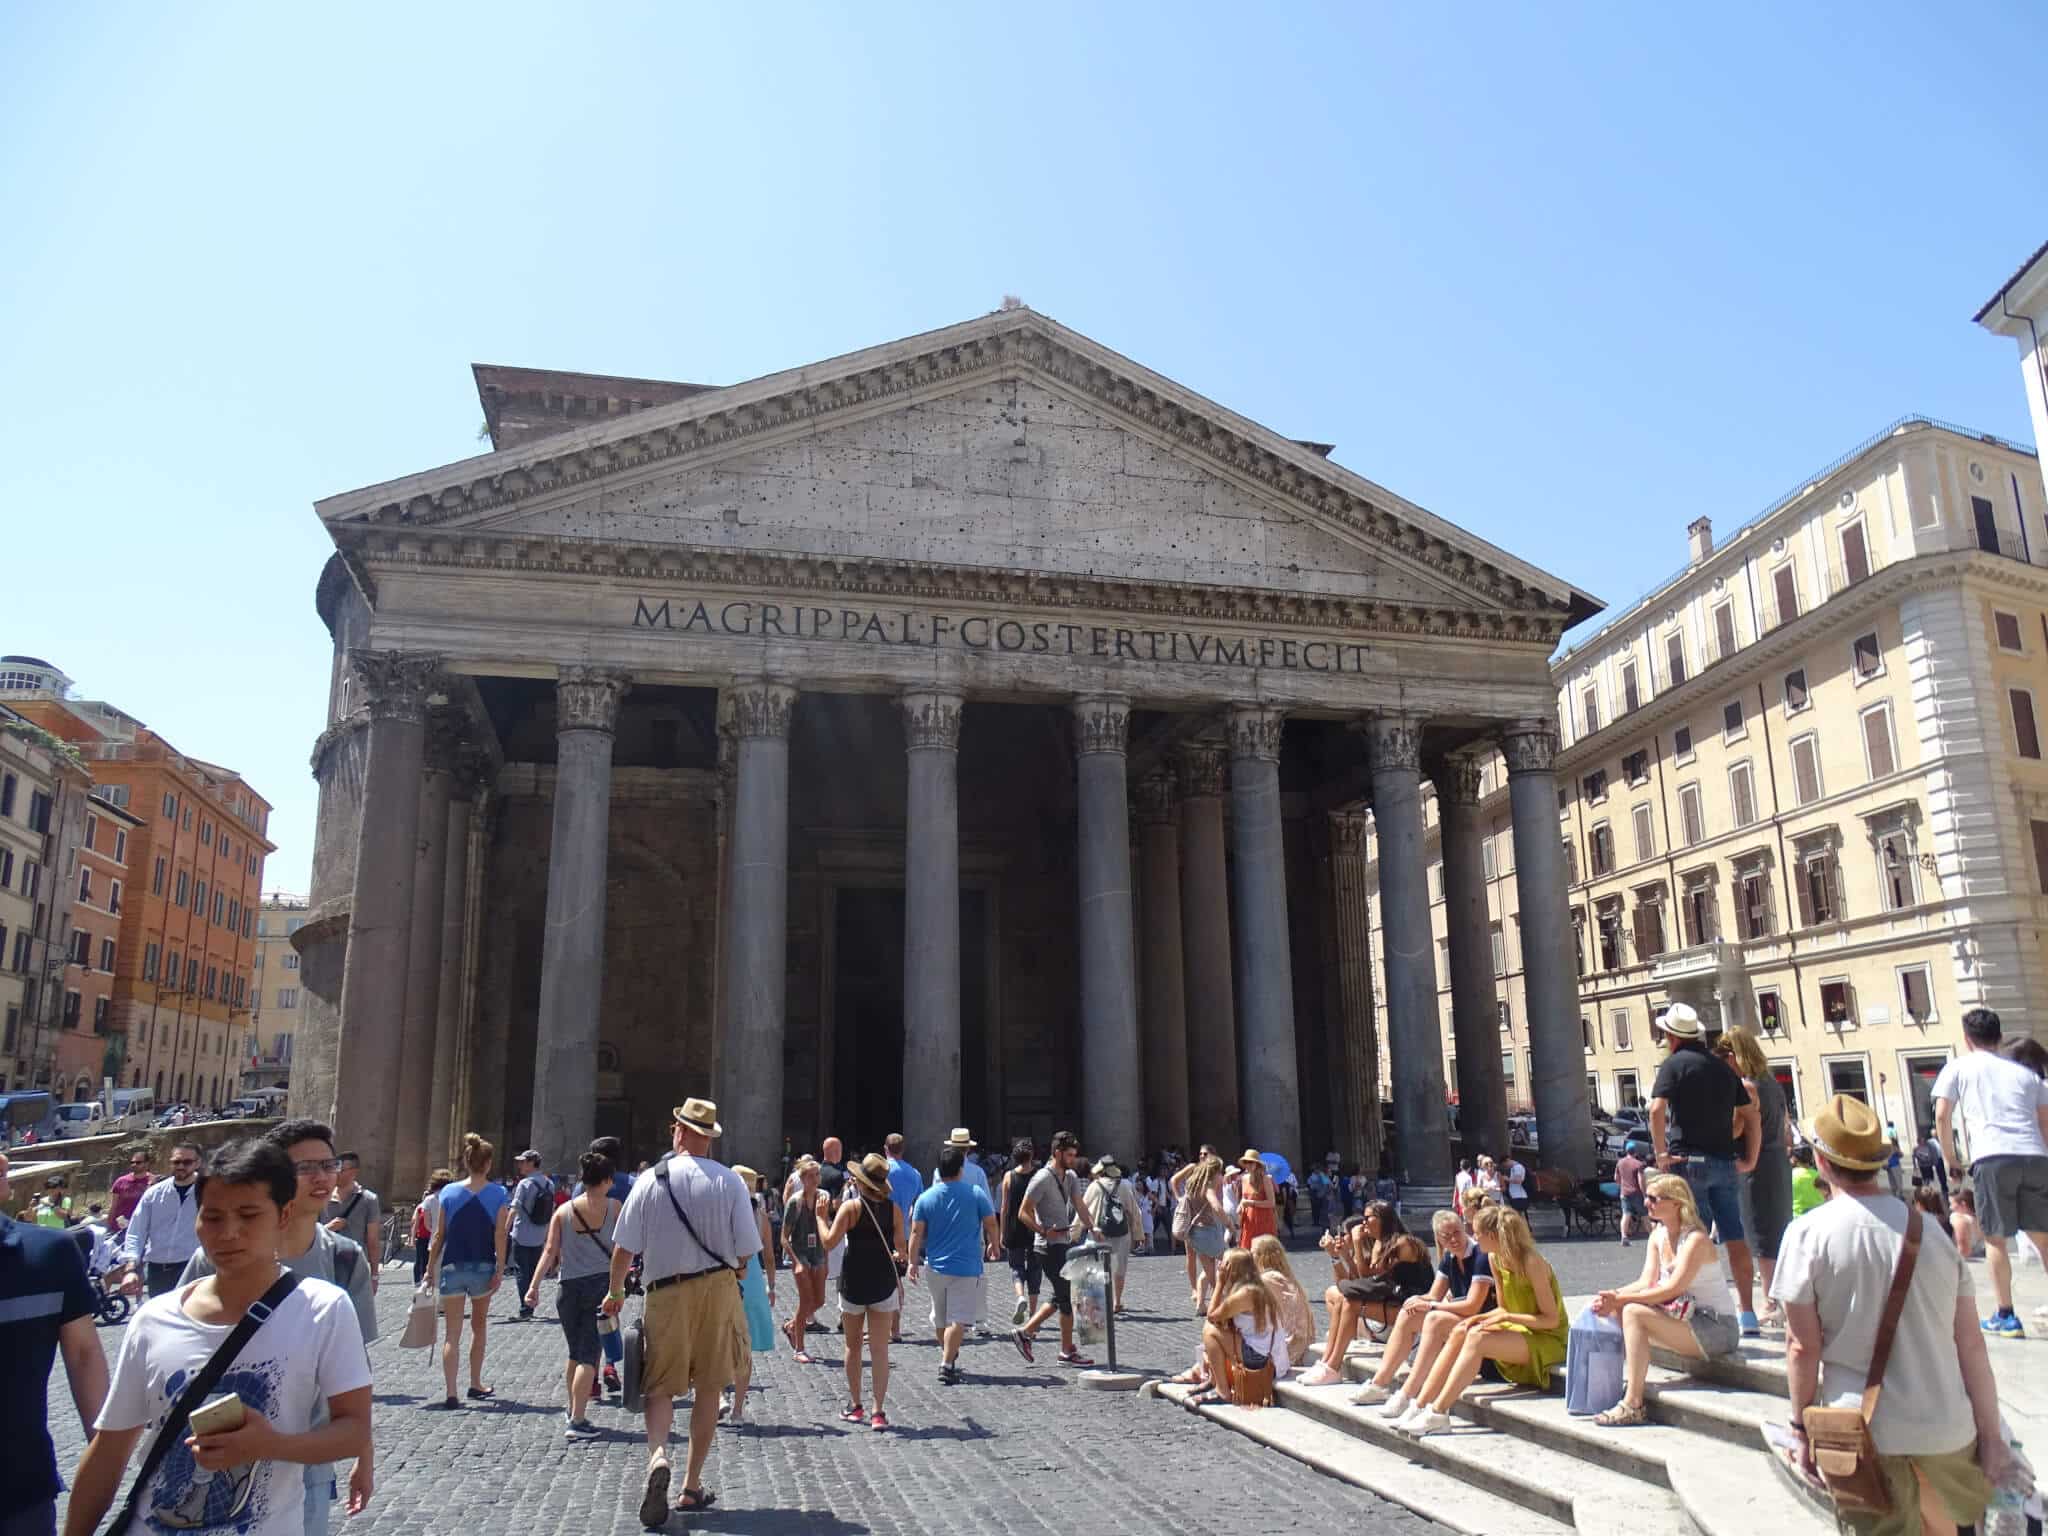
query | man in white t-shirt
(1518,1184)
(308,1351)
(2005,1110)
(1936,1422)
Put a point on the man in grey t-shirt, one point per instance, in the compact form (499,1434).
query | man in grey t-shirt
(356,1213)
(1051,1208)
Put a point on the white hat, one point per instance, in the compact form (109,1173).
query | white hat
(1680,1020)
(961,1138)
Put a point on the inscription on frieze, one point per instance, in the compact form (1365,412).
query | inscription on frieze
(936,629)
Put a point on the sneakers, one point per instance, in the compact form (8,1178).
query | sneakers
(579,1429)
(1420,1421)
(1397,1407)
(1023,1311)
(1750,1327)
(1370,1394)
(1022,1340)
(1074,1357)
(1321,1374)
(612,1383)
(2006,1324)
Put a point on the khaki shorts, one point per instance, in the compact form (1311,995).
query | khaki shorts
(690,1327)
(1958,1484)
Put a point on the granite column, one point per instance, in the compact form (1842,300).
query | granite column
(441,1094)
(414,1088)
(1111,1093)
(1360,1132)
(1165,991)
(1264,955)
(757,938)
(1564,1118)
(572,944)
(395,685)
(1393,744)
(1205,938)
(1475,1007)
(931,923)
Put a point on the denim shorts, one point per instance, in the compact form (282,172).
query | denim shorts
(1716,1188)
(472,1279)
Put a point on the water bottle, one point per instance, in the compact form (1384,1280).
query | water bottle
(606,1323)
(2007,1515)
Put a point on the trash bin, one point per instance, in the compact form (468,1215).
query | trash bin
(1087,1271)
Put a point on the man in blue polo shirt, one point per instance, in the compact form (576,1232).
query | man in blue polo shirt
(905,1185)
(953,1226)
(45,1305)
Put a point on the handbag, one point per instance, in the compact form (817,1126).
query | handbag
(1593,1363)
(1839,1438)
(419,1320)
(1251,1378)
(197,1391)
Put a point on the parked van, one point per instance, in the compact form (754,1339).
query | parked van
(134,1109)
(28,1110)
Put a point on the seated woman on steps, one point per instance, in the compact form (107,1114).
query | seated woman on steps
(1661,1308)
(1463,1290)
(1244,1340)
(1380,1264)
(1522,1341)
(1292,1300)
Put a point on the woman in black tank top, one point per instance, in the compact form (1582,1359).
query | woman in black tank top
(870,1294)
(1026,1276)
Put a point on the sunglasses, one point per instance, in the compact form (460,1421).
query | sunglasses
(313,1165)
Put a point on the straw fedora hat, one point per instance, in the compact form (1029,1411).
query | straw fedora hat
(871,1173)
(1250,1157)
(1849,1134)
(1682,1020)
(961,1138)
(700,1115)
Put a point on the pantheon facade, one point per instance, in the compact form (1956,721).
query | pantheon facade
(979,729)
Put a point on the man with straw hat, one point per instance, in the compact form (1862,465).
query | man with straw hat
(1935,1425)
(971,1174)
(692,1221)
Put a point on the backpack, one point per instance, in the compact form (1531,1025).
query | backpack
(1115,1220)
(540,1200)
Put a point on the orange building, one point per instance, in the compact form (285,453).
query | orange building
(87,1046)
(182,984)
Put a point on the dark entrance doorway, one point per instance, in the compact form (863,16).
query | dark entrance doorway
(867,1017)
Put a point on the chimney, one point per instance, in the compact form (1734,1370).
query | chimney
(1700,534)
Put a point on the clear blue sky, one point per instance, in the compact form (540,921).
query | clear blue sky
(1568,277)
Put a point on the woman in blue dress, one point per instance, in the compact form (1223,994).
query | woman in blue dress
(757,1298)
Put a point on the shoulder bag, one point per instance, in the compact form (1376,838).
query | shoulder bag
(1843,1452)
(198,1391)
(661,1178)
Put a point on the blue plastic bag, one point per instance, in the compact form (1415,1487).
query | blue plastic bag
(1593,1364)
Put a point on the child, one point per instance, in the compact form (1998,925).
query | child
(308,1351)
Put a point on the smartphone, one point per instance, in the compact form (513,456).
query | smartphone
(218,1415)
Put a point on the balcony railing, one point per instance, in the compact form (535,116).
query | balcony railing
(1696,961)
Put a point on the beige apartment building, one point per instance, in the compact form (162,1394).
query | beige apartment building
(1801,786)
(276,1006)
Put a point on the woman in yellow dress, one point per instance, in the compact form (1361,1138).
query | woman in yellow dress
(1524,1338)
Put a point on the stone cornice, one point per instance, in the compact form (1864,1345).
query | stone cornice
(907,581)
(1011,343)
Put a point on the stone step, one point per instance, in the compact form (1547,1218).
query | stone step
(1712,1408)
(1725,1487)
(1757,1365)
(1595,1500)
(1392,1474)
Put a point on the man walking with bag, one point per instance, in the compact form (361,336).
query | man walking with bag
(1933,1427)
(2005,1111)
(691,1220)
(533,1207)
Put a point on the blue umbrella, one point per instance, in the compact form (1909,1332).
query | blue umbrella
(1277,1166)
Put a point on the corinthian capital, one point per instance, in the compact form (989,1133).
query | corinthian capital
(1155,798)
(1530,746)
(1200,767)
(1457,780)
(762,709)
(587,698)
(1255,733)
(1393,743)
(931,720)
(394,684)
(1101,723)
(1348,832)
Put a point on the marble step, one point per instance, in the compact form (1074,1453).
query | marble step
(1393,1474)
(1731,1414)
(1725,1487)
(1593,1499)
(1757,1365)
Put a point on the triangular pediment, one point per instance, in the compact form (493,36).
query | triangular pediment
(1007,443)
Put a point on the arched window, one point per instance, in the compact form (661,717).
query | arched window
(159,1090)
(83,1090)
(179,1092)
(135,1078)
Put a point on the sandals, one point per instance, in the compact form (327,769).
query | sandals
(855,1414)
(694,1499)
(654,1497)
(802,1357)
(480,1393)
(1621,1415)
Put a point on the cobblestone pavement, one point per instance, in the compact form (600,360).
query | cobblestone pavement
(1016,1448)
